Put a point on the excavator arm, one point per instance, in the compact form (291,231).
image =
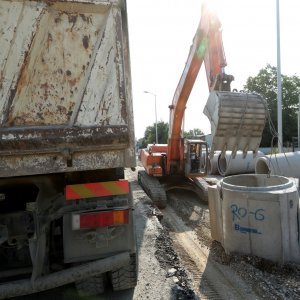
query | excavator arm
(207,47)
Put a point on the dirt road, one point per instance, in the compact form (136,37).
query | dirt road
(199,266)
(178,259)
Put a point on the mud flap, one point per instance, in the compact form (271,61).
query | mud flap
(237,121)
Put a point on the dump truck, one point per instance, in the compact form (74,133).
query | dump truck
(66,135)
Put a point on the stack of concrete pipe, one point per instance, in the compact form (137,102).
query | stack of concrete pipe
(284,164)
(228,165)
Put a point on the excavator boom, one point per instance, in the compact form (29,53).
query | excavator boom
(207,47)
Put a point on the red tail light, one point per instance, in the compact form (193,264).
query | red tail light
(100,219)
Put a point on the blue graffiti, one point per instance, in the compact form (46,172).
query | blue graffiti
(240,212)
(241,229)
(258,215)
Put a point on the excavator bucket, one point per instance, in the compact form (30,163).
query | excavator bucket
(237,121)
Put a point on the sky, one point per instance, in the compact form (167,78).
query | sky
(160,36)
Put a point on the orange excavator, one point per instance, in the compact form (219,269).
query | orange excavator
(237,119)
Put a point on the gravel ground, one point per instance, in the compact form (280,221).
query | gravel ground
(267,279)
(166,272)
(161,275)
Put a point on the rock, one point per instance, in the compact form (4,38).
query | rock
(175,279)
(171,272)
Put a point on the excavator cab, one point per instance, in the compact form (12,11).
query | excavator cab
(195,158)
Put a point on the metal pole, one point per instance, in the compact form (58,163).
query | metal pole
(279,89)
(299,125)
(156,134)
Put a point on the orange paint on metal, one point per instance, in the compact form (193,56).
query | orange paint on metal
(119,217)
(97,189)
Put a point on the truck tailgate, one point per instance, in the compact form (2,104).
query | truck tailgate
(65,87)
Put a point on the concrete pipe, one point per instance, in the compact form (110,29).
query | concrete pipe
(238,165)
(213,164)
(285,164)
(256,214)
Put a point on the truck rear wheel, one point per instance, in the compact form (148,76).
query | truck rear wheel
(125,277)
(91,286)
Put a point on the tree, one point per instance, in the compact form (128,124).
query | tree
(163,132)
(265,84)
(193,133)
(150,132)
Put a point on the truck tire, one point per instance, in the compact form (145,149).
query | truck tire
(125,277)
(91,286)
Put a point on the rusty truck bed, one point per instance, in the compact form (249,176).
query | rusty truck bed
(65,90)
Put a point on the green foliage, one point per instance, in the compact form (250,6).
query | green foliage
(265,84)
(193,133)
(150,134)
(163,131)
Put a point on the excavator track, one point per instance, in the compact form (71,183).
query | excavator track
(153,189)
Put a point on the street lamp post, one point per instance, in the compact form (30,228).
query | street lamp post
(156,135)
(279,91)
(299,125)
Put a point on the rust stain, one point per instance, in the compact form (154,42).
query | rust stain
(73,20)
(23,81)
(72,82)
(85,41)
(105,108)
(49,40)
(119,61)
(10,120)
(25,118)
(123,109)
(62,110)
(57,20)
(59,36)
(45,87)
(40,115)
(31,139)
(1,79)
(83,17)
(87,19)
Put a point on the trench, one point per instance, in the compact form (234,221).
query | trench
(211,280)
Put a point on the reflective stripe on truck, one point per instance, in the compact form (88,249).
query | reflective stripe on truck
(97,189)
